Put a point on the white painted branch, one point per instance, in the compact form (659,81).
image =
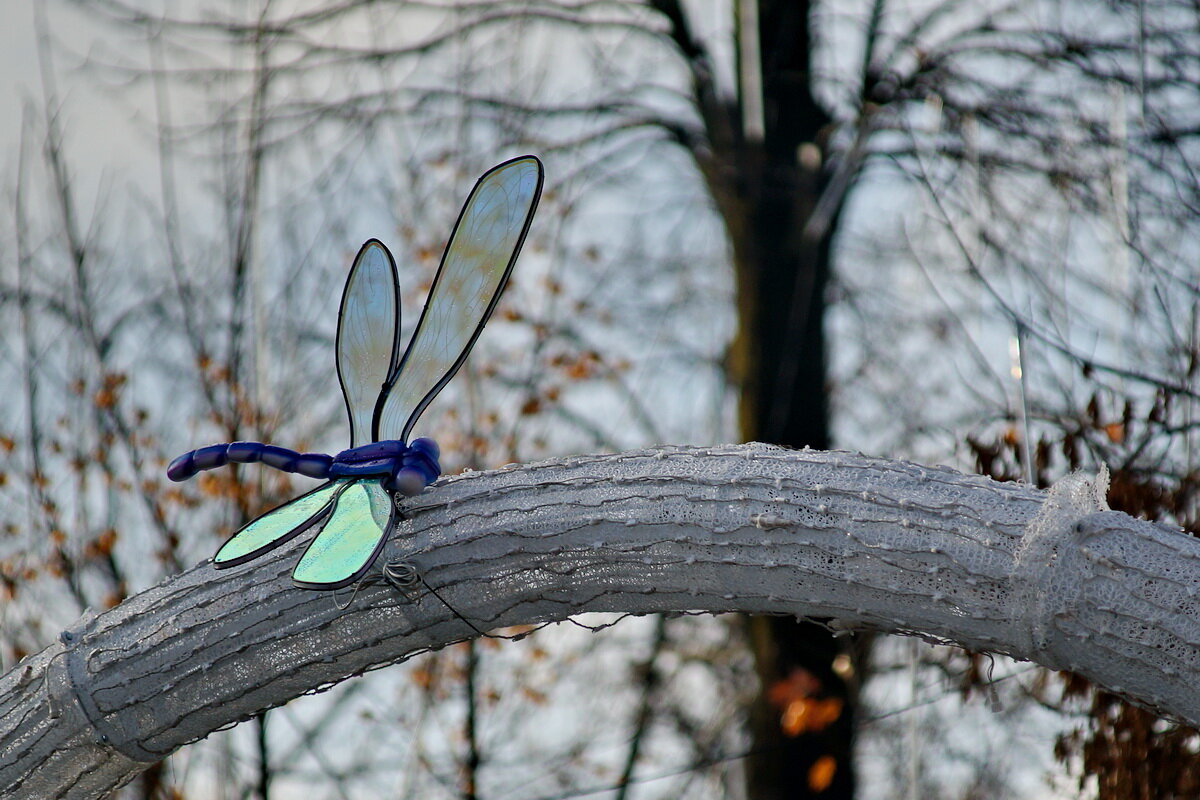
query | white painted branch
(861,541)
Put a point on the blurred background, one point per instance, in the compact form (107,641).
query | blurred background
(954,231)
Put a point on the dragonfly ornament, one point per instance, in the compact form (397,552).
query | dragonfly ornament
(385,392)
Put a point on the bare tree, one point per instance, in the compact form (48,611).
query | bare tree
(233,342)
(1029,140)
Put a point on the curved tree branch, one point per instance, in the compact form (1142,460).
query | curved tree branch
(862,542)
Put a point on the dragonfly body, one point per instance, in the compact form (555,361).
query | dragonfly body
(355,509)
(405,468)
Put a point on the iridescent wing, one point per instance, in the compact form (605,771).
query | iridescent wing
(355,533)
(478,259)
(277,526)
(368,338)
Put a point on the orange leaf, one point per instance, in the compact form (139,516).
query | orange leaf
(103,545)
(580,370)
(423,677)
(799,684)
(821,773)
(810,714)
(534,696)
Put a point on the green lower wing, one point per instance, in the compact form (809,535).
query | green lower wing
(350,541)
(278,526)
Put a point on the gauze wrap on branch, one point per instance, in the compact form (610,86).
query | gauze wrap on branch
(856,541)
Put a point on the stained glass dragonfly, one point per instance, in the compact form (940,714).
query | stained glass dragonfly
(354,510)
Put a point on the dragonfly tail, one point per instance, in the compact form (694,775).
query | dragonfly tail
(314,465)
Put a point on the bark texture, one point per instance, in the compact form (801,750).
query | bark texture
(864,542)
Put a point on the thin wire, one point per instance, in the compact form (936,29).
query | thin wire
(401,575)
(1026,446)
(359,584)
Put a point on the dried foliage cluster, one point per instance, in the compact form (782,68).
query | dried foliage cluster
(1119,750)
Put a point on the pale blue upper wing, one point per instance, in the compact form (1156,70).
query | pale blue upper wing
(350,540)
(277,526)
(368,335)
(478,259)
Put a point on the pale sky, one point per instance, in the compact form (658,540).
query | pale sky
(18,65)
(97,131)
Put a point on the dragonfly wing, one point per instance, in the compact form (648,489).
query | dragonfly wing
(351,539)
(368,339)
(277,526)
(478,259)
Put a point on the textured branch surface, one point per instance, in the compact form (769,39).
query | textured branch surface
(864,542)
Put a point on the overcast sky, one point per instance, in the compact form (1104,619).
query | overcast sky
(18,64)
(98,132)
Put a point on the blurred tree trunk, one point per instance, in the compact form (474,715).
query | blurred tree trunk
(769,176)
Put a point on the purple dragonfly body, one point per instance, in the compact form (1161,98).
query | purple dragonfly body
(354,509)
(407,468)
